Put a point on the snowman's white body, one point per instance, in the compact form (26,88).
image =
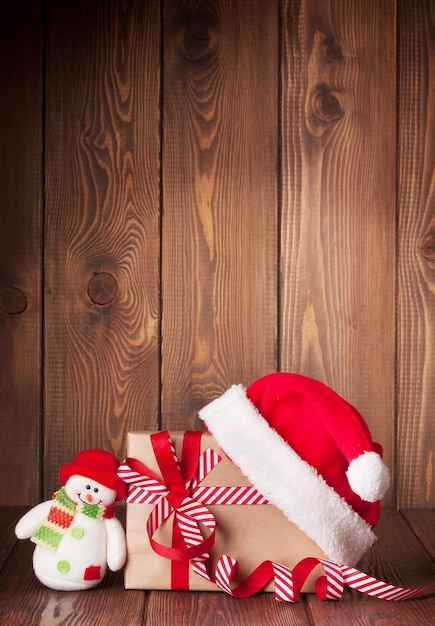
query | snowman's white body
(81,554)
(88,545)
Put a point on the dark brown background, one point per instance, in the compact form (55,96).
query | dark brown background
(194,194)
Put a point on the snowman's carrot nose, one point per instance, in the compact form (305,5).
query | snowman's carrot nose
(89,497)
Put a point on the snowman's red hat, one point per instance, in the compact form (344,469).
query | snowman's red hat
(98,465)
(309,453)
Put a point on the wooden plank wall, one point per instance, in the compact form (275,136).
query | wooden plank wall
(197,193)
(21,232)
(220,201)
(102,226)
(338,202)
(416,256)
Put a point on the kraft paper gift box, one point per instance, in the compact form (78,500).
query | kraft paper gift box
(304,448)
(250,533)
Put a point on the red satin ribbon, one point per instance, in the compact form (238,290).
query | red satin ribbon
(175,492)
(179,568)
(188,467)
(178,495)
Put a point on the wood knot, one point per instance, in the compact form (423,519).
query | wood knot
(102,288)
(197,35)
(427,247)
(196,41)
(331,50)
(12,300)
(325,104)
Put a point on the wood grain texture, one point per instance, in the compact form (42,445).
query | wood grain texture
(422,523)
(9,516)
(20,250)
(416,286)
(220,201)
(217,608)
(102,226)
(337,311)
(274,239)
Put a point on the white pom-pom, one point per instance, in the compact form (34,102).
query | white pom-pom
(368,476)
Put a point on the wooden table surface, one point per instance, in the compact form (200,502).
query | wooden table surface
(404,555)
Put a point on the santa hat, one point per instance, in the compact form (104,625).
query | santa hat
(97,465)
(309,453)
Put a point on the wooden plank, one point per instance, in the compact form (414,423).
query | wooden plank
(20,249)
(171,607)
(9,516)
(422,523)
(219,246)
(337,308)
(102,226)
(397,558)
(416,256)
(24,600)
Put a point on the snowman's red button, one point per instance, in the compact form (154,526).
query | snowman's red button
(77,532)
(63,567)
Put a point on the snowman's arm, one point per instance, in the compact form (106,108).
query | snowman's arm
(32,520)
(116,545)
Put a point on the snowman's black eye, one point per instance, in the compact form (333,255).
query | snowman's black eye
(96,489)
(88,487)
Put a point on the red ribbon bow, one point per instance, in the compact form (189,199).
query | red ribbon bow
(174,493)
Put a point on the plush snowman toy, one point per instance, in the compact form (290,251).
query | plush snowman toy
(76,534)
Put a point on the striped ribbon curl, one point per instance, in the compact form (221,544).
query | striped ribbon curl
(185,498)
(288,583)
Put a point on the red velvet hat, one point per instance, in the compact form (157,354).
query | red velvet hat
(98,465)
(310,453)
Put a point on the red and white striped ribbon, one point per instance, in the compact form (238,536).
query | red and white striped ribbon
(188,515)
(283,579)
(376,588)
(228,495)
(288,583)
(146,488)
(333,581)
(224,572)
(143,489)
(207,461)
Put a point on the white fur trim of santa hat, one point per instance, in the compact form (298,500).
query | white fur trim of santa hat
(285,479)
